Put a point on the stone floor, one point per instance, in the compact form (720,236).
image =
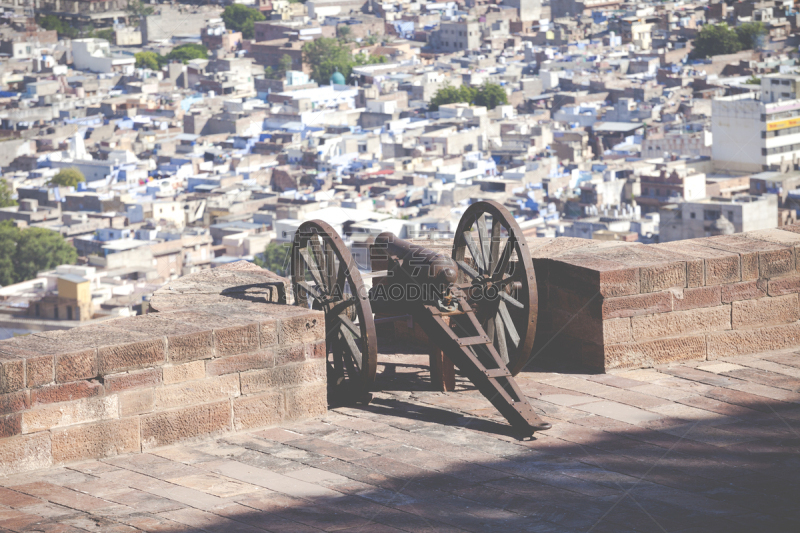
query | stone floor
(710,446)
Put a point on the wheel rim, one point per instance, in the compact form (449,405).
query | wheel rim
(492,253)
(325,277)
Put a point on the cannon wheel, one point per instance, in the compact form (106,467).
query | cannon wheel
(325,277)
(499,258)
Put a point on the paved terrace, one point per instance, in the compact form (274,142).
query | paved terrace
(698,446)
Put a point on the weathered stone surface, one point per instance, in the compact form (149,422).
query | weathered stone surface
(25,453)
(284,376)
(13,402)
(579,325)
(639,304)
(94,441)
(592,274)
(765,311)
(685,299)
(75,366)
(70,413)
(649,353)
(746,290)
(74,357)
(191,347)
(235,340)
(66,392)
(290,354)
(759,258)
(306,401)
(184,372)
(39,370)
(306,327)
(680,323)
(316,350)
(133,380)
(781,286)
(240,363)
(130,356)
(10,425)
(136,402)
(258,411)
(754,340)
(196,392)
(169,427)
(719,266)
(12,374)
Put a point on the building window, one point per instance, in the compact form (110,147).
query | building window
(691,215)
(709,214)
(69,312)
(55,312)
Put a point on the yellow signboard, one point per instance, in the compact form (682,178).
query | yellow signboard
(783,124)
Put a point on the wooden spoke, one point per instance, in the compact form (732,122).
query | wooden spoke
(471,272)
(346,322)
(483,237)
(473,249)
(309,289)
(352,348)
(494,250)
(510,300)
(313,269)
(502,347)
(317,244)
(509,324)
(505,258)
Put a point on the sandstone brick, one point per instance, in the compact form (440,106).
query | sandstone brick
(12,374)
(75,366)
(191,347)
(136,402)
(639,304)
(592,274)
(759,258)
(680,323)
(573,302)
(184,372)
(268,332)
(95,441)
(765,311)
(10,425)
(307,327)
(284,376)
(719,266)
(655,352)
(66,392)
(70,413)
(316,350)
(616,330)
(749,341)
(660,277)
(13,402)
(290,354)
(579,325)
(685,299)
(258,411)
(196,392)
(133,380)
(25,453)
(39,371)
(235,340)
(131,356)
(306,401)
(170,427)
(781,286)
(746,290)
(240,363)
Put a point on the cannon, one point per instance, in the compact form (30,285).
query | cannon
(478,306)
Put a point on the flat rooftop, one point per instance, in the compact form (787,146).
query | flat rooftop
(704,446)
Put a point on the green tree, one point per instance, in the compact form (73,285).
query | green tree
(41,249)
(5,194)
(367,59)
(750,34)
(284,65)
(325,56)
(490,95)
(52,22)
(753,80)
(345,33)
(149,60)
(275,258)
(9,235)
(67,177)
(238,17)
(452,95)
(186,52)
(714,40)
(136,10)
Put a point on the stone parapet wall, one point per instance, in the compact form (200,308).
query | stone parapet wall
(215,358)
(613,306)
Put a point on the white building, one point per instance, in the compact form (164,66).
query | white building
(758,131)
(95,55)
(693,220)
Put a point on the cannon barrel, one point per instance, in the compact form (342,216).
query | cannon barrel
(418,261)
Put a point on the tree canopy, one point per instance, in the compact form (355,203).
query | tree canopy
(5,194)
(327,55)
(25,253)
(149,60)
(719,39)
(275,258)
(490,95)
(52,22)
(186,52)
(284,65)
(136,10)
(238,17)
(67,177)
